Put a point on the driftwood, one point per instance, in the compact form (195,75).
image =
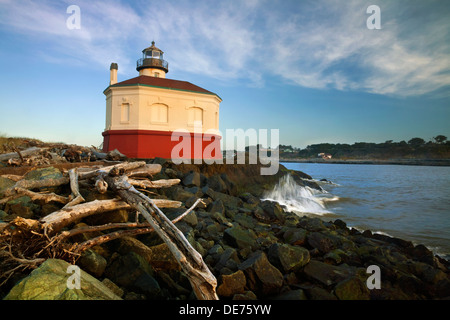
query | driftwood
(154,184)
(142,229)
(202,280)
(18,192)
(57,220)
(34,241)
(24,153)
(77,197)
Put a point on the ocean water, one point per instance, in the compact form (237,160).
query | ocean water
(408,202)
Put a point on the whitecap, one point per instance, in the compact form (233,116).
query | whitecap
(299,199)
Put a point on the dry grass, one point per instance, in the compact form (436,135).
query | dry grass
(7,144)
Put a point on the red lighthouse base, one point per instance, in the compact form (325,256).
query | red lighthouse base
(144,144)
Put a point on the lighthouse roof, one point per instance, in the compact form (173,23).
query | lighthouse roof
(152,48)
(163,83)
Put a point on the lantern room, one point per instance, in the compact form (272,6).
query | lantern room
(152,63)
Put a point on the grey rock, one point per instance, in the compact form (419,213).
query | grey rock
(324,242)
(124,270)
(352,289)
(289,258)
(325,273)
(232,284)
(295,236)
(240,238)
(262,277)
(93,263)
(192,179)
(217,206)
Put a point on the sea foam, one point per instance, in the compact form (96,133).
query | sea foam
(299,199)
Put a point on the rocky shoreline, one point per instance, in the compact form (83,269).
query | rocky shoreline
(255,248)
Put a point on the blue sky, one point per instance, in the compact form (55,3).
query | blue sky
(311,69)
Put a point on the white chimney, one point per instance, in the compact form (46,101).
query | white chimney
(113,73)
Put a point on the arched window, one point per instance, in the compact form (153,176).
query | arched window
(159,113)
(195,114)
(125,113)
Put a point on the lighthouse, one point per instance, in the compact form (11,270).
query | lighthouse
(150,115)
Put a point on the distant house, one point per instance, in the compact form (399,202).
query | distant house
(290,150)
(324,155)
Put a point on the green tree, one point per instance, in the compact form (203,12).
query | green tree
(416,142)
(440,139)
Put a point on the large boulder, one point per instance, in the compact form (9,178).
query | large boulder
(271,211)
(324,242)
(192,179)
(44,173)
(93,263)
(230,202)
(295,236)
(311,224)
(158,256)
(21,207)
(325,273)
(352,289)
(128,270)
(50,282)
(5,184)
(232,284)
(262,277)
(249,198)
(216,183)
(228,260)
(240,238)
(217,206)
(289,258)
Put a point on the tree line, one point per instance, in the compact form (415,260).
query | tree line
(416,148)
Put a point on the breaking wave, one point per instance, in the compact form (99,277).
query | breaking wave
(299,199)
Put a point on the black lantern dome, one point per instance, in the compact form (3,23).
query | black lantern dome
(152,57)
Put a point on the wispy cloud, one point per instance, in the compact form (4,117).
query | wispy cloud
(321,44)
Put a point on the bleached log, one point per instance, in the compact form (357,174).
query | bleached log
(12,177)
(15,193)
(146,171)
(164,183)
(125,166)
(25,153)
(46,197)
(35,184)
(57,220)
(76,196)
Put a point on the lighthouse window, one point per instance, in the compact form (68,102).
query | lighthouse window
(155,54)
(125,113)
(159,113)
(195,114)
